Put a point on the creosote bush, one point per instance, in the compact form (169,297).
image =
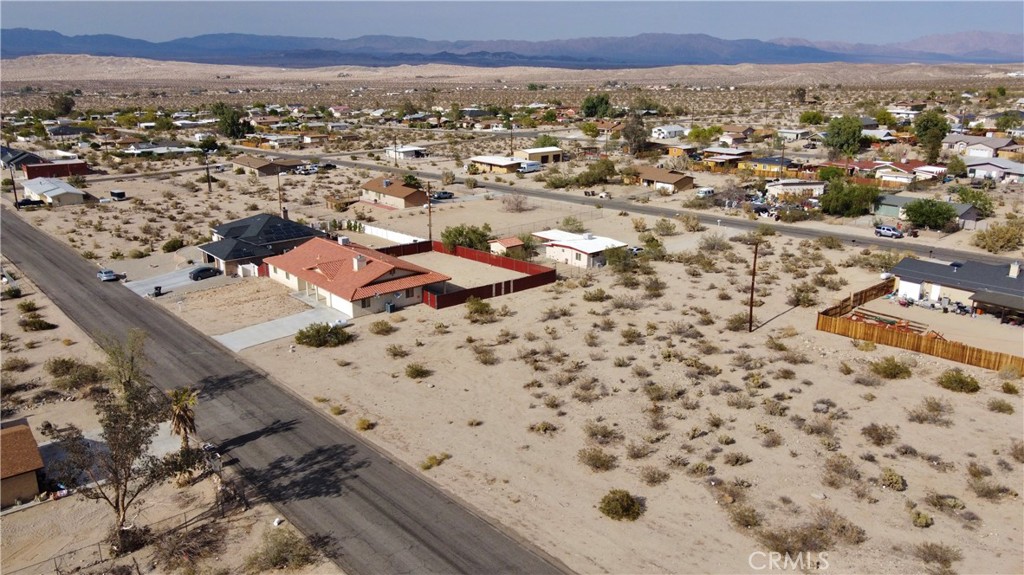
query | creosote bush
(890,368)
(433,461)
(892,480)
(956,380)
(932,410)
(281,549)
(323,335)
(879,435)
(382,327)
(417,371)
(597,459)
(1000,406)
(939,553)
(620,505)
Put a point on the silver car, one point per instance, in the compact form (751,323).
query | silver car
(107,276)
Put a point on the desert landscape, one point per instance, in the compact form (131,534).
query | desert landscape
(640,376)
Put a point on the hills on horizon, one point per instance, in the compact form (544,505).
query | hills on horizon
(641,51)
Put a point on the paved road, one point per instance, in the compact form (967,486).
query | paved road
(373,515)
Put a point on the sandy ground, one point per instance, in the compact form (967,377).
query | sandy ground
(534,484)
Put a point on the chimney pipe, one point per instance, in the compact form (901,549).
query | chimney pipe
(284,213)
(358,262)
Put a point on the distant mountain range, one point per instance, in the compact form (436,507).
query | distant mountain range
(644,50)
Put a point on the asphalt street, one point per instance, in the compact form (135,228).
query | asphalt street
(370,514)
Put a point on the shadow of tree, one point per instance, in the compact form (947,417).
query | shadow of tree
(317,473)
(213,386)
(275,427)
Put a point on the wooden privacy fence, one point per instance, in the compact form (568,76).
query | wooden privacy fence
(832,320)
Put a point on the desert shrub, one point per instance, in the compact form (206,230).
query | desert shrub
(714,242)
(879,435)
(281,549)
(892,480)
(382,327)
(27,306)
(638,450)
(597,459)
(620,505)
(365,424)
(956,380)
(417,371)
(15,363)
(771,439)
(739,401)
(701,469)
(433,461)
(839,469)
(173,245)
(819,425)
(945,503)
(745,516)
(396,351)
(890,368)
(776,408)
(735,458)
(1000,406)
(988,489)
(543,428)
(802,295)
(70,373)
(183,548)
(631,335)
(738,321)
(11,292)
(1000,237)
(323,335)
(818,534)
(595,295)
(485,355)
(932,410)
(651,475)
(939,553)
(601,433)
(1017,450)
(480,311)
(35,322)
(1010,389)
(830,242)
(137,254)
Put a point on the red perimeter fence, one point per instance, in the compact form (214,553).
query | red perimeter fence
(538,275)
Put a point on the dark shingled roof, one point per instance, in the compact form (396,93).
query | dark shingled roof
(254,237)
(970,276)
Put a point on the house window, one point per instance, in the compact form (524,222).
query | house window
(364,303)
(579,256)
(287,276)
(410,292)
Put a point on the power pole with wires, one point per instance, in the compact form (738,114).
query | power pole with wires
(753,277)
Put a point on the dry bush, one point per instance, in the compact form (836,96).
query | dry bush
(932,410)
(988,489)
(417,371)
(639,450)
(396,351)
(281,549)
(938,553)
(1000,406)
(839,470)
(956,380)
(543,428)
(892,480)
(382,327)
(819,534)
(879,435)
(651,475)
(620,505)
(597,459)
(944,503)
(890,368)
(183,548)
(736,458)
(433,461)
(601,433)
(771,439)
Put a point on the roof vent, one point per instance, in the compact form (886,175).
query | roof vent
(343,240)
(387,183)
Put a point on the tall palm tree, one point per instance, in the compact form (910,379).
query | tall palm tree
(183,416)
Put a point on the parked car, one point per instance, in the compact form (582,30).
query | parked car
(705,192)
(810,146)
(443,195)
(888,232)
(202,273)
(107,276)
(636,250)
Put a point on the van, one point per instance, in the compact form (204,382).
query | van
(705,192)
(527,167)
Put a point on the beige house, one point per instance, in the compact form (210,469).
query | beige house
(510,247)
(548,155)
(663,180)
(263,166)
(579,250)
(496,164)
(19,463)
(53,192)
(386,191)
(351,278)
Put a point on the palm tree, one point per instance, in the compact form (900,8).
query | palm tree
(183,416)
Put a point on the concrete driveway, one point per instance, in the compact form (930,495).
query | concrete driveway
(167,281)
(276,329)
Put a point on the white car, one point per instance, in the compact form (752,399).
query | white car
(705,192)
(107,276)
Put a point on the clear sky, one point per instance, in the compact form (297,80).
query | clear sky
(874,22)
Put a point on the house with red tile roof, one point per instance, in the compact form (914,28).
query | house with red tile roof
(19,463)
(507,246)
(351,278)
(388,191)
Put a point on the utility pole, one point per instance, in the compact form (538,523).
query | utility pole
(753,276)
(395,149)
(209,184)
(430,217)
(280,196)
(511,131)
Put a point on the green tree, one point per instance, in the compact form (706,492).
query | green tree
(801,94)
(412,181)
(229,122)
(885,118)
(545,141)
(831,173)
(956,167)
(930,214)
(164,124)
(812,117)
(549,116)
(843,137)
(1007,121)
(183,415)
(634,133)
(466,235)
(704,136)
(590,129)
(62,104)
(596,173)
(848,200)
(930,128)
(209,144)
(596,106)
(129,419)
(977,198)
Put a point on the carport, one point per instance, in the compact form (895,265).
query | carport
(1008,308)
